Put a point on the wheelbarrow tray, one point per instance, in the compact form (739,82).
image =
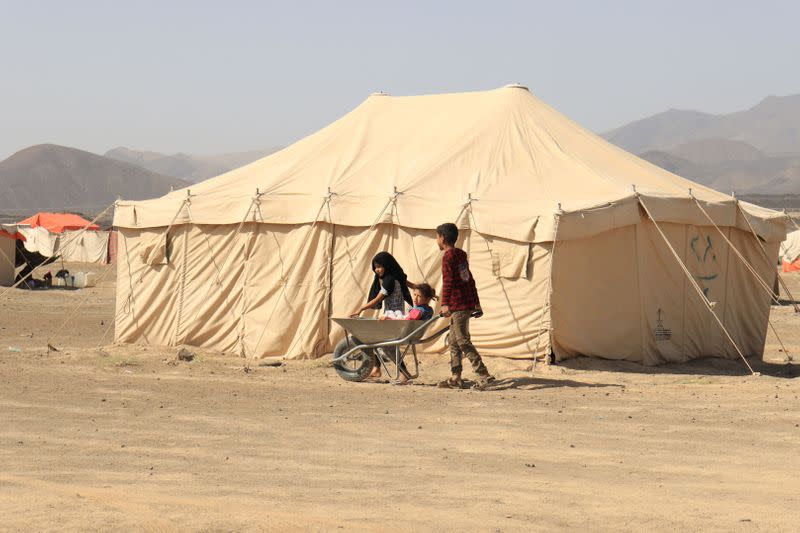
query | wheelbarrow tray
(371,331)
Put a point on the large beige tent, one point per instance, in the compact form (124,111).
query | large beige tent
(564,233)
(8,242)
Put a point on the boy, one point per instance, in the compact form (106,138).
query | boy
(459,301)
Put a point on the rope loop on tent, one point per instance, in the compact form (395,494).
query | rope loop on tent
(695,285)
(79,233)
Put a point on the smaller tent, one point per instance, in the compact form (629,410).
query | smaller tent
(790,252)
(8,238)
(61,233)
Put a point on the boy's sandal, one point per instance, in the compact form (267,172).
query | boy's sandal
(451,383)
(483,381)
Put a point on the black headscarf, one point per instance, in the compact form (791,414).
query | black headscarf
(391,268)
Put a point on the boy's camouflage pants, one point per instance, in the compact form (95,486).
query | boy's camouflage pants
(461,345)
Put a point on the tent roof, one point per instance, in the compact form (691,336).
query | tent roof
(58,222)
(417,161)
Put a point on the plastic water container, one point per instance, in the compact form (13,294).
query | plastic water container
(79,280)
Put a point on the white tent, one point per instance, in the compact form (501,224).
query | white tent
(577,246)
(790,252)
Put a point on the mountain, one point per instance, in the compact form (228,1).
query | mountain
(189,167)
(52,177)
(772,127)
(729,166)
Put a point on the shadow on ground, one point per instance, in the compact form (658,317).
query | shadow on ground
(711,366)
(538,383)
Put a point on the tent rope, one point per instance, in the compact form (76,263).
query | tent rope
(795,224)
(547,303)
(694,284)
(52,337)
(769,262)
(216,280)
(474,226)
(755,274)
(285,279)
(374,223)
(77,234)
(746,263)
(424,275)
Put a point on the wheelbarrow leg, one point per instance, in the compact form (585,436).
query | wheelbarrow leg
(382,362)
(416,361)
(398,360)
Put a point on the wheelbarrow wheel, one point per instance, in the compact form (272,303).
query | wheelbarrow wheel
(357,365)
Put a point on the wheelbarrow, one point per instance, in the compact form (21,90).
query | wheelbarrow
(388,340)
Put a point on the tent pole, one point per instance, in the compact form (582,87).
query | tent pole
(547,304)
(695,285)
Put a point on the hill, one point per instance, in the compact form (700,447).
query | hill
(52,177)
(729,166)
(772,127)
(192,168)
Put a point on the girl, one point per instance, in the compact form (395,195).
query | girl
(390,286)
(389,290)
(422,296)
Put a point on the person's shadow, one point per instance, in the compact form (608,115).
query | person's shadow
(538,383)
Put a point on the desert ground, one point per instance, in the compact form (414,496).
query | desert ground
(104,437)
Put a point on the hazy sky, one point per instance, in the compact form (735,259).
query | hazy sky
(209,77)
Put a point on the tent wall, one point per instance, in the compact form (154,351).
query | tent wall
(86,247)
(268,289)
(622,294)
(7,255)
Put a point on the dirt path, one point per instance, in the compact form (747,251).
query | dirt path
(118,438)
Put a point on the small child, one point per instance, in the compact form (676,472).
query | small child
(422,296)
(459,302)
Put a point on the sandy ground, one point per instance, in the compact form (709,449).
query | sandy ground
(125,437)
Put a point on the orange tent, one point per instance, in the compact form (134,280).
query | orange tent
(58,222)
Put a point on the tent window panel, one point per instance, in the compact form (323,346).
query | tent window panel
(157,249)
(510,258)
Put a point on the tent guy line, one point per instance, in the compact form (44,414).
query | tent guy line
(697,288)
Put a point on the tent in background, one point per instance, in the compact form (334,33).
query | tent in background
(577,246)
(58,222)
(790,252)
(60,234)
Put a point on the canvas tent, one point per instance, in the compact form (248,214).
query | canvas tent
(8,238)
(790,252)
(62,234)
(567,255)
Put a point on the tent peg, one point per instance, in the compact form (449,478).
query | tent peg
(690,193)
